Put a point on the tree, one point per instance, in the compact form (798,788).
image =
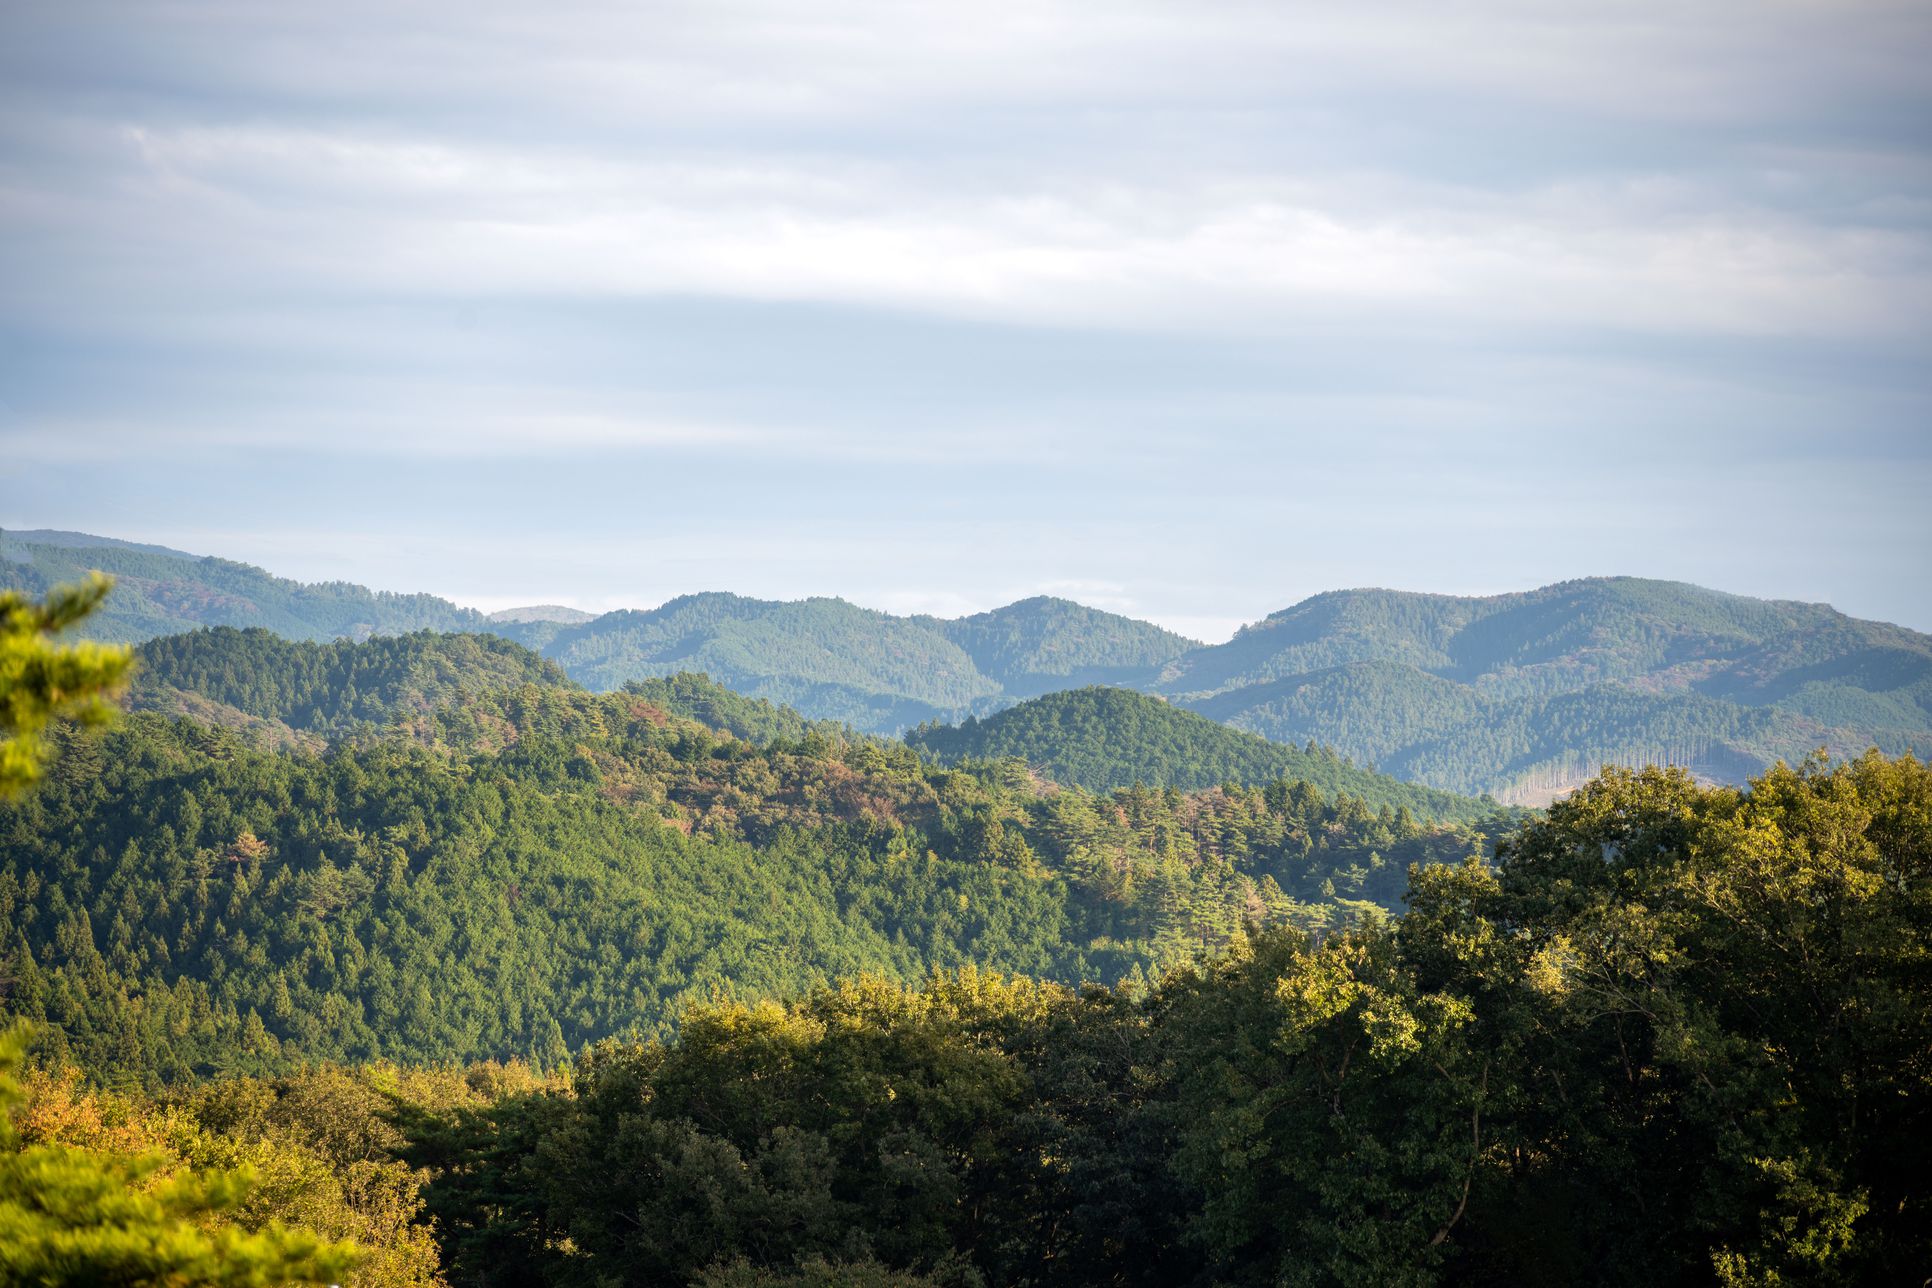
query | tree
(96,1217)
(90,1217)
(42,680)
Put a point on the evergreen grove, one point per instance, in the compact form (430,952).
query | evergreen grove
(489,980)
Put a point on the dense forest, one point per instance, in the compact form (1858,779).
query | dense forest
(1519,696)
(1674,1035)
(1102,738)
(1526,695)
(463,871)
(418,963)
(254,675)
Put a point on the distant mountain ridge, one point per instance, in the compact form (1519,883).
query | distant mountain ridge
(543,613)
(163,592)
(1525,694)
(829,659)
(1520,695)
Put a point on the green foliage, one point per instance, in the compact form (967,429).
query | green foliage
(867,1127)
(89,1217)
(1675,1034)
(1678,1036)
(1101,738)
(313,1151)
(42,681)
(162,591)
(527,869)
(326,688)
(1739,980)
(1526,696)
(692,696)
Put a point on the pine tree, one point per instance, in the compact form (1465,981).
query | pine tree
(42,681)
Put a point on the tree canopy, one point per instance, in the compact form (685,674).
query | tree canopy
(1677,1035)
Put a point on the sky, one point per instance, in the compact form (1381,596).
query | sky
(1185,310)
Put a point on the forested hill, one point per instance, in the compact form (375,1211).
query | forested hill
(159,591)
(1656,1034)
(528,869)
(277,688)
(1042,644)
(694,696)
(834,660)
(255,679)
(1097,738)
(1525,695)
(1101,738)
(1520,696)
(829,659)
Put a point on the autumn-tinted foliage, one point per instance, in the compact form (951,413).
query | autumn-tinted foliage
(532,868)
(1677,1036)
(1672,1034)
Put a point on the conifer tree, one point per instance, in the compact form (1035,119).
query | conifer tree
(42,680)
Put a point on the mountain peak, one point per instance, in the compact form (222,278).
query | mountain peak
(543,613)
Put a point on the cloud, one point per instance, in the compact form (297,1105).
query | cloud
(247,210)
(1051,292)
(774,63)
(1732,169)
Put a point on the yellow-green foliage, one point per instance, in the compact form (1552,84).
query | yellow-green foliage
(123,1209)
(1674,1035)
(256,1158)
(42,680)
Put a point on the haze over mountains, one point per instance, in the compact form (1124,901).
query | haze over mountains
(1519,695)
(826,657)
(1526,695)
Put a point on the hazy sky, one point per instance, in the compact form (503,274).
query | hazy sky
(1187,309)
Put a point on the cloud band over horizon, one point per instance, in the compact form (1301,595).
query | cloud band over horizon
(1217,305)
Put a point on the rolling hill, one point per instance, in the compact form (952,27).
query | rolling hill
(1520,696)
(436,847)
(159,591)
(254,679)
(836,661)
(1525,695)
(829,659)
(1042,644)
(1102,738)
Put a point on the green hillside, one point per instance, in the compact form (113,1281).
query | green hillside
(693,696)
(1520,696)
(829,658)
(537,985)
(323,688)
(1526,695)
(1676,1036)
(1554,639)
(1042,644)
(826,658)
(160,592)
(526,869)
(1102,738)
(835,661)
